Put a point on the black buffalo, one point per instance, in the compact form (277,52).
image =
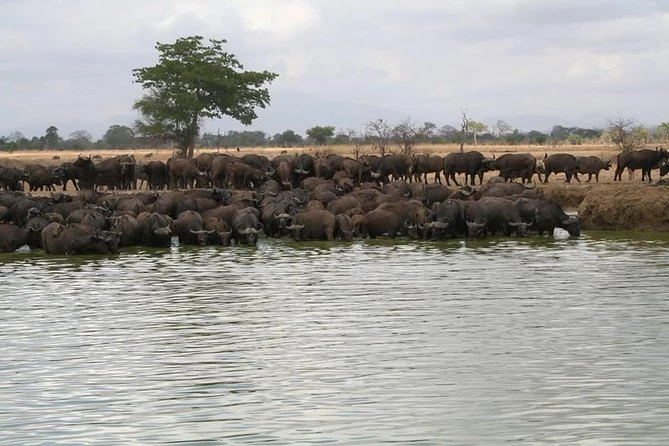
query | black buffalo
(515,165)
(245,226)
(475,215)
(156,229)
(313,225)
(472,164)
(591,165)
(645,159)
(78,239)
(10,178)
(546,215)
(189,228)
(561,163)
(424,164)
(12,237)
(504,217)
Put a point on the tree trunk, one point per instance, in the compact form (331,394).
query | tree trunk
(475,143)
(181,151)
(192,137)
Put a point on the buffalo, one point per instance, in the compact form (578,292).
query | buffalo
(189,228)
(448,220)
(218,230)
(10,178)
(515,165)
(12,237)
(472,164)
(183,173)
(41,177)
(245,226)
(156,229)
(156,174)
(645,159)
(313,225)
(424,164)
(397,166)
(381,222)
(591,165)
(561,163)
(78,239)
(504,217)
(475,215)
(545,216)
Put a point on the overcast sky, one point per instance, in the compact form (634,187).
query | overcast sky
(68,63)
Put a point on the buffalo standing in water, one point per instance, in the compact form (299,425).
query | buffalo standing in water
(78,239)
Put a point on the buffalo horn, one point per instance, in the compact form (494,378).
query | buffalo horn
(440,224)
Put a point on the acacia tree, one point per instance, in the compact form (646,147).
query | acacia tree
(477,128)
(193,81)
(287,139)
(379,133)
(320,134)
(663,130)
(119,136)
(355,138)
(626,133)
(406,133)
(501,128)
(51,138)
(464,130)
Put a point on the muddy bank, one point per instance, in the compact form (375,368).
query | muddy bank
(625,206)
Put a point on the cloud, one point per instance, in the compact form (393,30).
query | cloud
(426,58)
(280,19)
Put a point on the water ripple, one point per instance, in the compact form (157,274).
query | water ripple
(531,341)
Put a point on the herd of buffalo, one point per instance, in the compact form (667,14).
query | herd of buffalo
(220,199)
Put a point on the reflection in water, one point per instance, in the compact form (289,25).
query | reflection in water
(535,341)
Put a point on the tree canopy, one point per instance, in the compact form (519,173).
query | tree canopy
(192,81)
(625,133)
(320,134)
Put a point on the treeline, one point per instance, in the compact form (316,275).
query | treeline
(376,133)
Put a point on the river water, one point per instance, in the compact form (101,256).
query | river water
(503,341)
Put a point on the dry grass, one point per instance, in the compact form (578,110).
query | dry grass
(21,158)
(638,207)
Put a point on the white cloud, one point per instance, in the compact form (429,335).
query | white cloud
(590,66)
(425,57)
(279,18)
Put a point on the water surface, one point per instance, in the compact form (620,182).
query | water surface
(518,341)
